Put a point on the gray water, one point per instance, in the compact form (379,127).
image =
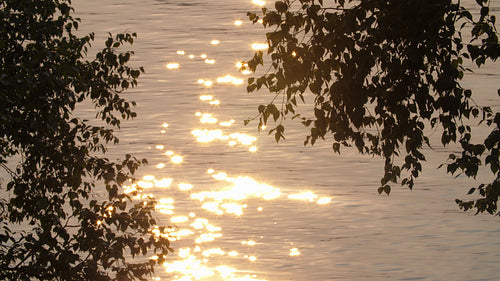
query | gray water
(284,211)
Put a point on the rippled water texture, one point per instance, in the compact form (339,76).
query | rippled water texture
(246,208)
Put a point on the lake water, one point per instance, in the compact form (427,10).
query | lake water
(247,208)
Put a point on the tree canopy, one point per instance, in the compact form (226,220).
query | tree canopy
(54,225)
(384,75)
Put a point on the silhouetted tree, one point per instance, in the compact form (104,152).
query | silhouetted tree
(382,73)
(53,225)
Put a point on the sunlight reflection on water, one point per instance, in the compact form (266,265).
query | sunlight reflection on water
(322,219)
(200,260)
(197,262)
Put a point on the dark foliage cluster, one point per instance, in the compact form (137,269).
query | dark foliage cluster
(53,225)
(384,74)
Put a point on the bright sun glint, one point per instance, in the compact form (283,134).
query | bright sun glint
(173,65)
(176,159)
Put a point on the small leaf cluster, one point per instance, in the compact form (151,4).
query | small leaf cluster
(383,74)
(53,223)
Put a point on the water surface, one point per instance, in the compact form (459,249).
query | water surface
(247,208)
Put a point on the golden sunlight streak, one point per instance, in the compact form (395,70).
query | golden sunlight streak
(173,65)
(304,196)
(324,200)
(185,186)
(242,188)
(230,79)
(190,266)
(259,2)
(165,206)
(176,159)
(206,135)
(178,219)
(163,183)
(207,118)
(214,251)
(225,124)
(259,46)
(294,252)
(249,243)
(206,97)
(145,184)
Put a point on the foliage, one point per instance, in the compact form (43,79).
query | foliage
(384,75)
(53,224)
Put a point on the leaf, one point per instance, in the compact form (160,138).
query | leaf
(484,11)
(387,189)
(280,6)
(277,137)
(466,14)
(271,108)
(380,190)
